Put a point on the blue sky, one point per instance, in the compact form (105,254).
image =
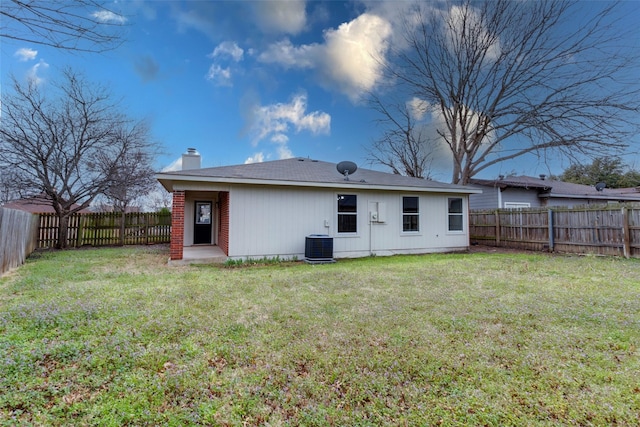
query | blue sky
(253,81)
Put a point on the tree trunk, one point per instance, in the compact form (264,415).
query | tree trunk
(122,227)
(63,231)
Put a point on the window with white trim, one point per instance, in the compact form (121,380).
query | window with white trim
(347,213)
(410,214)
(455,214)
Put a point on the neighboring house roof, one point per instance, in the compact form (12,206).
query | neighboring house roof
(548,188)
(303,172)
(38,204)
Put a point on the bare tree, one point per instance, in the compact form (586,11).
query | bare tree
(134,176)
(8,187)
(68,142)
(80,25)
(504,78)
(405,146)
(159,199)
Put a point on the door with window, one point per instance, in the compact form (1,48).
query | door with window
(202,228)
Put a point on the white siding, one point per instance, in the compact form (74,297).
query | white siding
(274,221)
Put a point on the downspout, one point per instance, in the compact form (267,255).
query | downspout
(370,235)
(499,198)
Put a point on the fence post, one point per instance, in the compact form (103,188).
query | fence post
(551,237)
(626,239)
(497,228)
(35,232)
(79,242)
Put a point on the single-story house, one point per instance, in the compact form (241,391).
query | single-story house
(271,209)
(528,192)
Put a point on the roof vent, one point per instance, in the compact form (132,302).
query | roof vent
(346,168)
(542,176)
(500,176)
(601,186)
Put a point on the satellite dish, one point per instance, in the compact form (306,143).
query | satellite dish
(601,186)
(347,168)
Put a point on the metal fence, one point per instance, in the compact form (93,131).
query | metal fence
(604,230)
(105,229)
(18,231)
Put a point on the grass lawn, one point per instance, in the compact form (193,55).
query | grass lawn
(116,337)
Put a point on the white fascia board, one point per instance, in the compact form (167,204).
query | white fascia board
(592,196)
(180,183)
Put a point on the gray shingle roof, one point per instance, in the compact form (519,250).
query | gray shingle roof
(552,188)
(300,171)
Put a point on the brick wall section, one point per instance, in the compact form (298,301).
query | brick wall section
(223,227)
(177,226)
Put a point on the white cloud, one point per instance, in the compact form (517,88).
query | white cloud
(401,15)
(176,165)
(418,108)
(280,138)
(355,54)
(34,72)
(287,17)
(220,76)
(284,152)
(276,121)
(256,158)
(109,17)
(26,54)
(351,58)
(461,20)
(228,48)
(287,55)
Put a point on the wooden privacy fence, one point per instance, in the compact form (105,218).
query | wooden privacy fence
(603,230)
(104,229)
(18,230)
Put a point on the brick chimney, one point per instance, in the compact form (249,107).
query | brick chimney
(191,159)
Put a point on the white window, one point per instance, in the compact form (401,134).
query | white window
(455,214)
(410,214)
(347,213)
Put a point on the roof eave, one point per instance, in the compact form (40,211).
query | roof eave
(168,180)
(592,196)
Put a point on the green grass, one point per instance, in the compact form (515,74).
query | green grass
(116,337)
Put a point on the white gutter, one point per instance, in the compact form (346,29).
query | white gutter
(591,196)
